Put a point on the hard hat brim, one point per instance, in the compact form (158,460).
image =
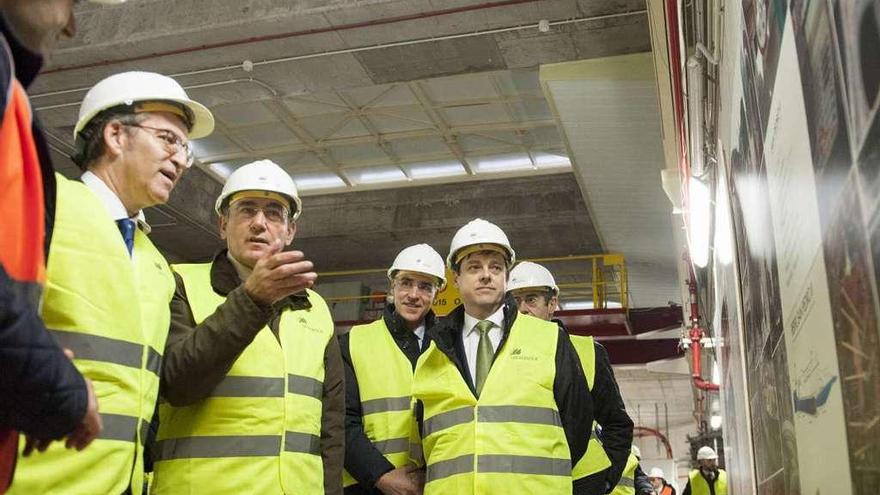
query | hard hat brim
(202,121)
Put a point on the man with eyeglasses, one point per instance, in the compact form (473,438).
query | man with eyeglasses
(108,287)
(252,382)
(379,361)
(535,291)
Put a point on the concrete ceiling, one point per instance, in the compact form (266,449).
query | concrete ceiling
(428,113)
(399,119)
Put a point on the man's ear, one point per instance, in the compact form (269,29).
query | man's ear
(114,137)
(222,222)
(291,233)
(553,303)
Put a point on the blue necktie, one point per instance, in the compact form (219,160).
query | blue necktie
(126,228)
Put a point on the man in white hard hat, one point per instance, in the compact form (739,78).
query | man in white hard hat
(108,287)
(658,481)
(252,380)
(707,478)
(502,402)
(44,396)
(379,361)
(535,291)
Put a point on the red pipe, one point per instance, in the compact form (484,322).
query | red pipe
(677,88)
(696,335)
(644,431)
(294,34)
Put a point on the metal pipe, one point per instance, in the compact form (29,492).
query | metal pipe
(191,86)
(304,32)
(336,52)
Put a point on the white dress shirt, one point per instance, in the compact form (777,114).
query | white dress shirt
(471,337)
(112,202)
(420,334)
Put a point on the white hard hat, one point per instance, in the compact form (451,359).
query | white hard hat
(261,175)
(128,88)
(706,453)
(478,235)
(527,275)
(636,451)
(656,473)
(420,258)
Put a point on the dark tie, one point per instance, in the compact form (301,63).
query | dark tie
(484,354)
(126,228)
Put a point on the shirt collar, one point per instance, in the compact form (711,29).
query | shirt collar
(112,202)
(420,332)
(243,271)
(497,319)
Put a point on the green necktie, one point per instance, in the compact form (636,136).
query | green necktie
(484,354)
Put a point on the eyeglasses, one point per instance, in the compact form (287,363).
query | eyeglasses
(407,284)
(172,142)
(530,300)
(273,213)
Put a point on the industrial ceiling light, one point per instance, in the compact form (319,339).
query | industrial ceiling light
(695,95)
(699,221)
(715,421)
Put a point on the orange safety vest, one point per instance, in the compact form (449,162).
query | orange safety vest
(22,229)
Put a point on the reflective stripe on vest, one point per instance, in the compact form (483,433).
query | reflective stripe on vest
(512,435)
(595,459)
(384,379)
(112,311)
(261,425)
(699,485)
(627,483)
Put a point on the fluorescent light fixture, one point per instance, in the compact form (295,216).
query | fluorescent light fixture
(376,175)
(502,163)
(699,219)
(715,421)
(549,160)
(716,373)
(429,170)
(306,182)
(586,304)
(723,230)
(696,76)
(222,169)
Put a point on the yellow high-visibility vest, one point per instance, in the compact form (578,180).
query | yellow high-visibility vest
(260,429)
(111,310)
(627,483)
(699,485)
(509,441)
(595,459)
(384,378)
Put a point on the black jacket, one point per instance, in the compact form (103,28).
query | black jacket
(610,413)
(569,387)
(362,460)
(41,392)
(642,482)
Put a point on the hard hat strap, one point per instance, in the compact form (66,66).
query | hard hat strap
(473,248)
(260,194)
(162,106)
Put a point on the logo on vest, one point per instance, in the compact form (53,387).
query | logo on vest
(517,354)
(305,323)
